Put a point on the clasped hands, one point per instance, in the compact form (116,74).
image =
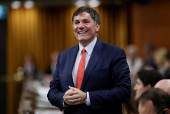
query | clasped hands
(74,96)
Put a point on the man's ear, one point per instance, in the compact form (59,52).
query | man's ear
(148,86)
(97,27)
(166,110)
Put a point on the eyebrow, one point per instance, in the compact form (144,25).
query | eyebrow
(83,20)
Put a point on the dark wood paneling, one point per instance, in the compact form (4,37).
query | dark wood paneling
(151,23)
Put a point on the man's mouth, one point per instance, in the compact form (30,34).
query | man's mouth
(83,32)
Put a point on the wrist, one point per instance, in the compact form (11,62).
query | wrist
(66,104)
(85,98)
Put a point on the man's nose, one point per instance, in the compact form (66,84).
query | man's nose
(81,25)
(134,88)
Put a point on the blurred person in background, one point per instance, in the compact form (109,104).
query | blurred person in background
(30,69)
(53,61)
(134,61)
(91,77)
(145,80)
(154,101)
(164,84)
(149,63)
(167,66)
(51,68)
(159,58)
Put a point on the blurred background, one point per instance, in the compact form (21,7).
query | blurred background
(33,33)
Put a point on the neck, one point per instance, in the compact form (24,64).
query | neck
(85,43)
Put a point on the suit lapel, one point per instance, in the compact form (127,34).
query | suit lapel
(71,61)
(97,51)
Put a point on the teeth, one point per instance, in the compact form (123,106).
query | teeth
(82,32)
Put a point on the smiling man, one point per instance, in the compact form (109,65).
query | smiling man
(91,77)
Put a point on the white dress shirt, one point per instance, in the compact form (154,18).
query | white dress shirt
(89,49)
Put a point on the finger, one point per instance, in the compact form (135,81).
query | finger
(71,92)
(72,88)
(74,100)
(75,96)
(72,96)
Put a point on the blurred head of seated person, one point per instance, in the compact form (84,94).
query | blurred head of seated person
(29,66)
(134,61)
(148,50)
(154,101)
(145,80)
(159,58)
(164,84)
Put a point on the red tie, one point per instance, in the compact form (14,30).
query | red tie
(80,71)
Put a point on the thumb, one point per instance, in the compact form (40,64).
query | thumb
(72,88)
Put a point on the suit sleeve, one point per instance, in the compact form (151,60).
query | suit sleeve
(55,94)
(121,90)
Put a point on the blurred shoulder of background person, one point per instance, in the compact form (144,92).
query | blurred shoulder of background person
(147,51)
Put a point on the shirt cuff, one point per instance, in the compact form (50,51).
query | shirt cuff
(88,99)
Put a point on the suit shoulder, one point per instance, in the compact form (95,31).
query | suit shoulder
(112,47)
(69,50)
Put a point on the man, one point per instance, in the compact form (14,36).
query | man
(145,80)
(149,63)
(154,101)
(167,66)
(164,85)
(92,77)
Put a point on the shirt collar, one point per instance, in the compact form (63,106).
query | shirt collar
(89,47)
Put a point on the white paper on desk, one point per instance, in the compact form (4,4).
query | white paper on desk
(41,99)
(42,91)
(41,111)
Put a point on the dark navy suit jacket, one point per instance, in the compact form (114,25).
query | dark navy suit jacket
(106,78)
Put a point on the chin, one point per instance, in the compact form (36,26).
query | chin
(136,98)
(82,39)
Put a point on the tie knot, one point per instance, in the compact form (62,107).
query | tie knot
(83,50)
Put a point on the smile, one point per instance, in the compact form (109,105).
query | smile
(83,32)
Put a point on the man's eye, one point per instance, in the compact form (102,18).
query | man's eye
(86,22)
(76,22)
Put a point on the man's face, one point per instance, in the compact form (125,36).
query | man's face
(139,88)
(146,108)
(85,29)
